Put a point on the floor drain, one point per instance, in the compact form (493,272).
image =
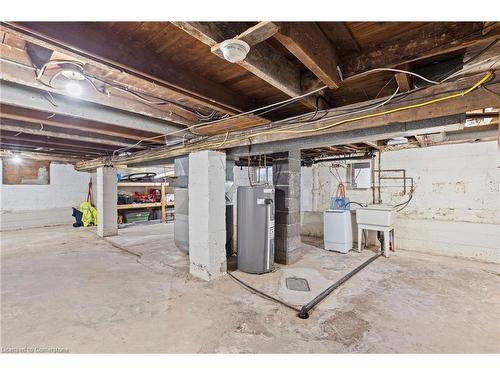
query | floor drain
(298,284)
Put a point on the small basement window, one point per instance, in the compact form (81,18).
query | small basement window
(17,171)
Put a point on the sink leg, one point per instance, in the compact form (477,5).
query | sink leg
(387,239)
(360,239)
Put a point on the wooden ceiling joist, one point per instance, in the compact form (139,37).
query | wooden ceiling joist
(373,144)
(478,98)
(38,147)
(253,35)
(310,45)
(240,123)
(26,97)
(417,44)
(263,60)
(341,37)
(37,118)
(116,99)
(61,135)
(54,143)
(285,59)
(133,59)
(422,140)
(42,156)
(404,82)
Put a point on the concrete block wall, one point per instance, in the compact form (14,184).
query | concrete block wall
(28,206)
(456,204)
(286,179)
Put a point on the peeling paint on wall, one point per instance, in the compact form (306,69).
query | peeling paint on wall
(456,199)
(447,187)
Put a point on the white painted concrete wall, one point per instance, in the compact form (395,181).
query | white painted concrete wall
(26,206)
(456,205)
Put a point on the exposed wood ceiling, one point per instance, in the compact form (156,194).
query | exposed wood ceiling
(173,73)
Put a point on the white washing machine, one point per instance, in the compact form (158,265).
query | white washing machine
(337,229)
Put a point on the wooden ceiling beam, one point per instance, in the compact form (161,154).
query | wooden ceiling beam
(116,98)
(239,123)
(32,146)
(254,35)
(263,60)
(67,125)
(422,140)
(311,46)
(132,59)
(22,96)
(424,42)
(404,82)
(60,135)
(21,149)
(304,39)
(340,36)
(48,142)
(373,144)
(6,153)
(474,100)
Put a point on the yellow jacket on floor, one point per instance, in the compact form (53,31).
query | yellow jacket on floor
(89,214)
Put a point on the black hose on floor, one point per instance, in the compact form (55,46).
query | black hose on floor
(262,294)
(304,311)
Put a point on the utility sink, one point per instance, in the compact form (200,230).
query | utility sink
(376,214)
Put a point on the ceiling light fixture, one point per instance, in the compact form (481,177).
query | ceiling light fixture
(74,88)
(234,50)
(73,74)
(74,78)
(397,141)
(17,159)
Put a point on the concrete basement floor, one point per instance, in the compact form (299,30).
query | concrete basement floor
(65,288)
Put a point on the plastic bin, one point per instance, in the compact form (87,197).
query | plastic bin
(135,216)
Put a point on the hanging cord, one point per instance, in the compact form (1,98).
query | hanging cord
(248,172)
(340,186)
(90,197)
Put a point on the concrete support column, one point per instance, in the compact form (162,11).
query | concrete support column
(286,176)
(207,210)
(106,202)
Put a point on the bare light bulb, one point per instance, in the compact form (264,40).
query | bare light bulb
(74,88)
(17,159)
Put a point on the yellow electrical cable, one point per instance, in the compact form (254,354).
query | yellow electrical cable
(488,75)
(219,144)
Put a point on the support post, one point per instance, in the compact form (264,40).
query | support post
(207,209)
(163,204)
(107,224)
(286,176)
